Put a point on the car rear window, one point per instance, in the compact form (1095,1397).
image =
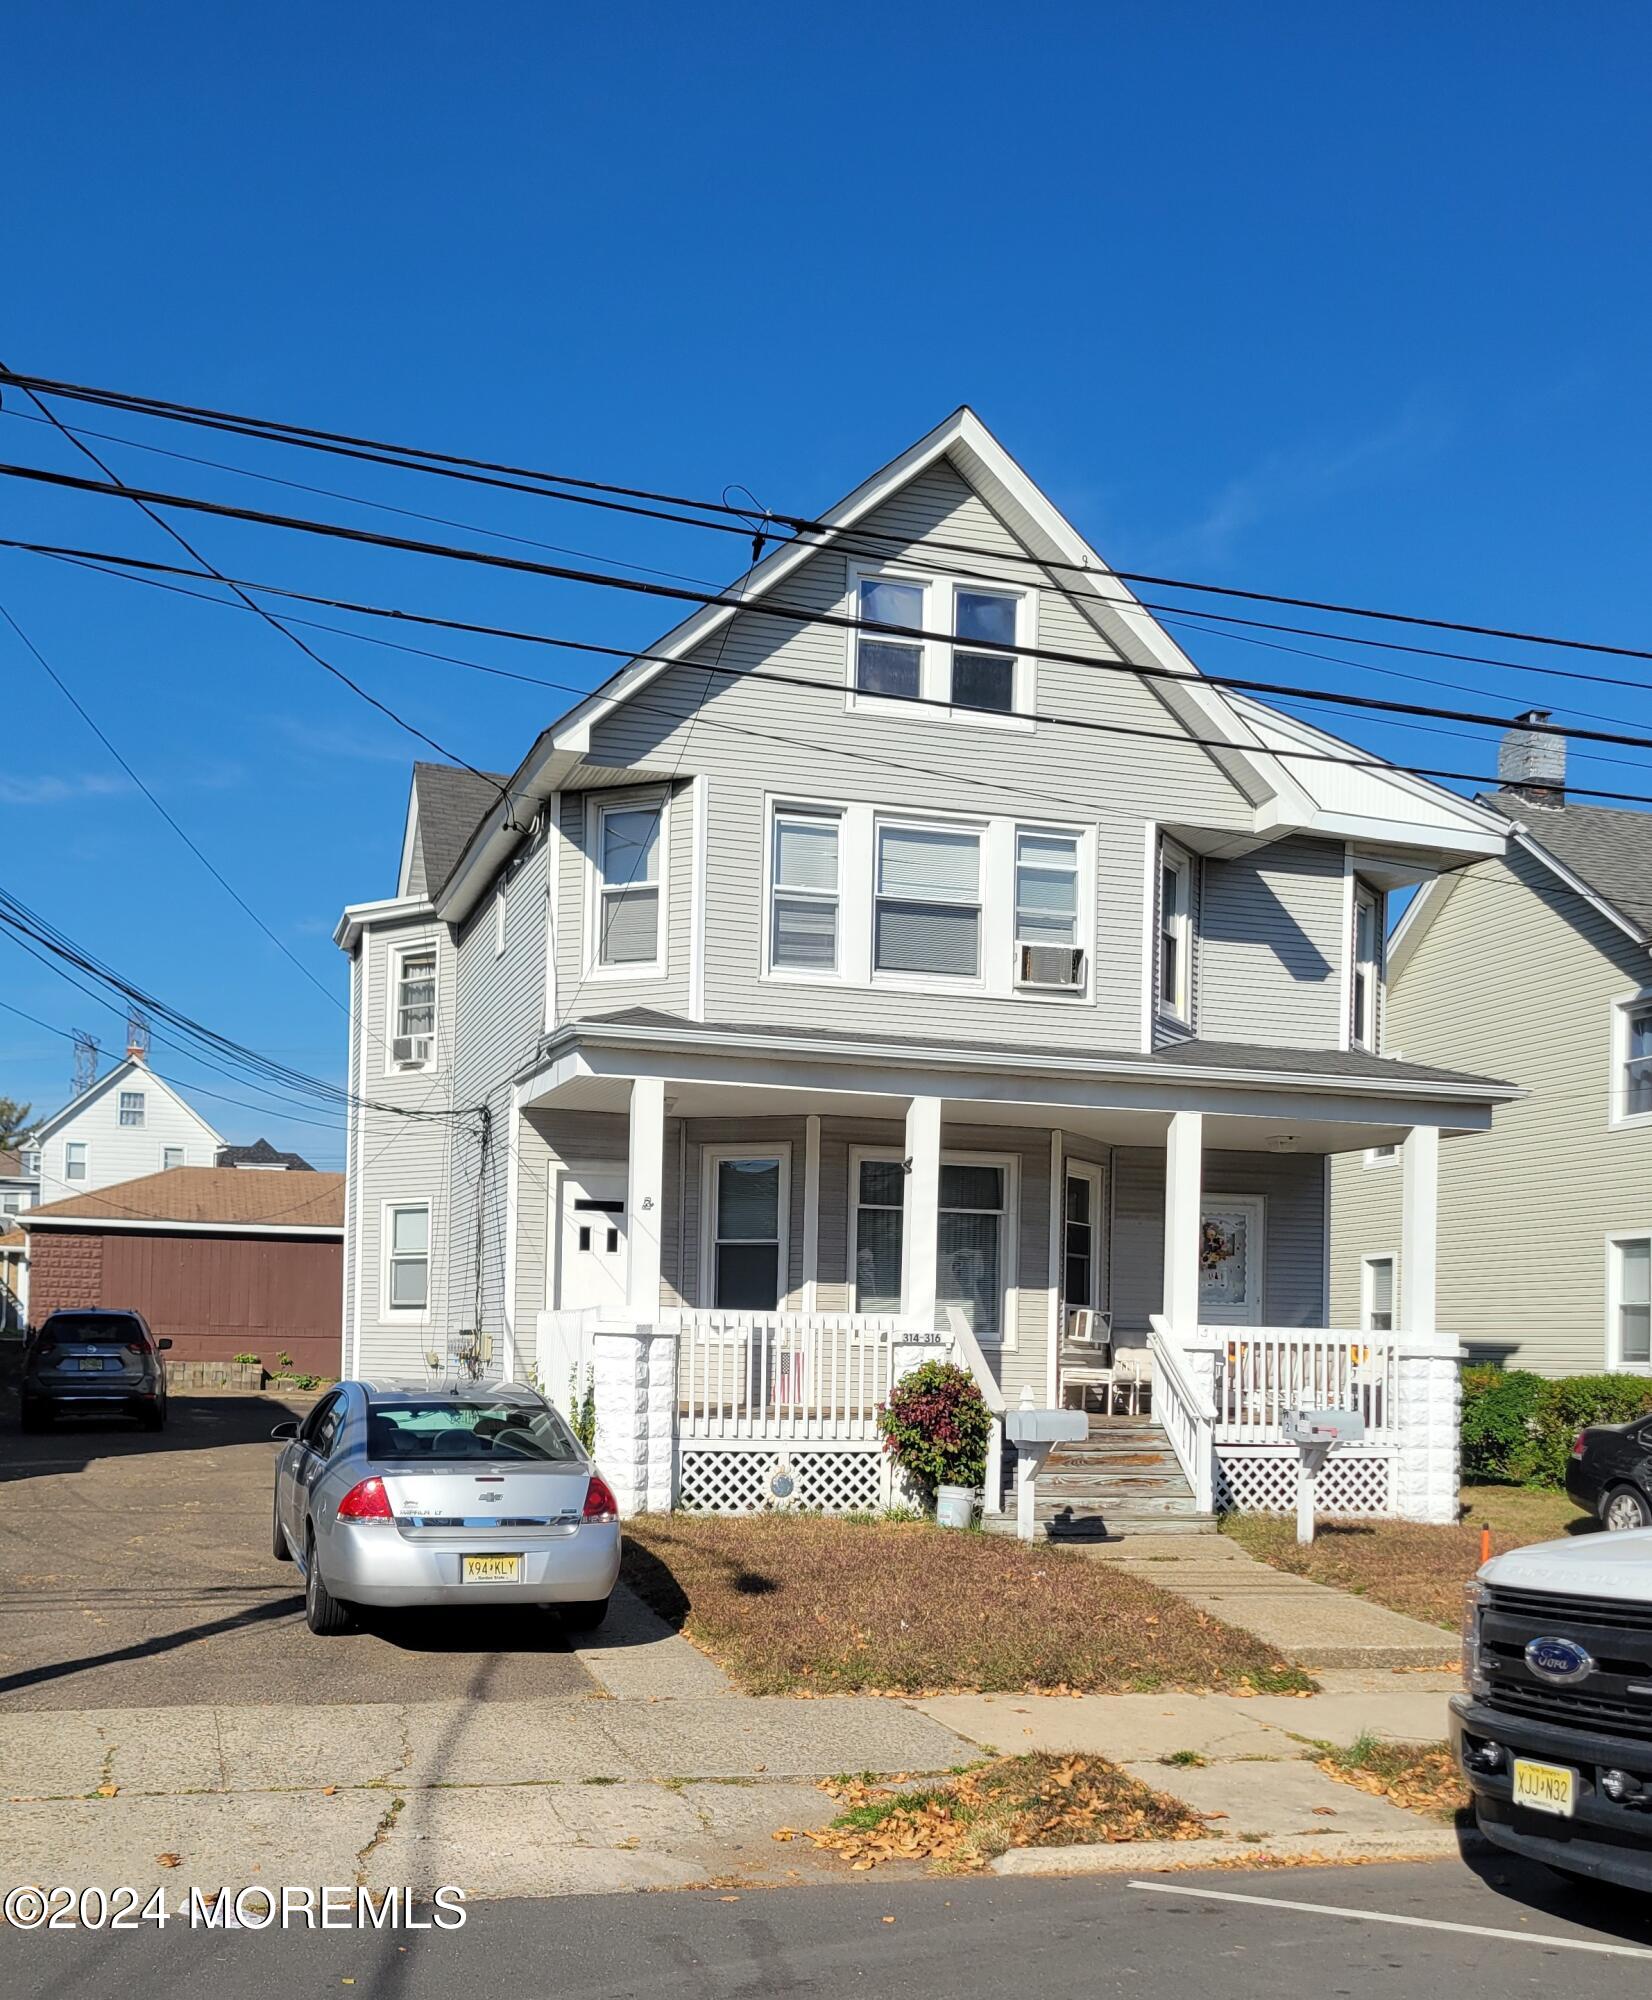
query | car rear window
(442,1428)
(115,1329)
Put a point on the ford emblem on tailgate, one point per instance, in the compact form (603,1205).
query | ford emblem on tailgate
(1559,1660)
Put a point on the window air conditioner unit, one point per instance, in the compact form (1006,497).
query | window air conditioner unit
(410,1051)
(1051,965)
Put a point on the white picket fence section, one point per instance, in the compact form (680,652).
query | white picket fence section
(1263,1371)
(783,1376)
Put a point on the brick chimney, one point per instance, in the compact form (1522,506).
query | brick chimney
(1531,761)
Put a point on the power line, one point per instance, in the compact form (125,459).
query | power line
(278,431)
(1082,724)
(724,600)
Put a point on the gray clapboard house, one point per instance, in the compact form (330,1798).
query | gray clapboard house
(788,1023)
(1537,964)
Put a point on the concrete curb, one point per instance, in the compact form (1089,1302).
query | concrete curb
(1162,1857)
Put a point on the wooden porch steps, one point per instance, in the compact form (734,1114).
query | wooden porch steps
(1123,1479)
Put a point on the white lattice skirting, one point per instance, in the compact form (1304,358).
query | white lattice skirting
(1262,1478)
(739,1479)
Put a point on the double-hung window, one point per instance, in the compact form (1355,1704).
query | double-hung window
(1046,909)
(973,1210)
(131,1107)
(1080,1239)
(1632,1059)
(927,902)
(1366,949)
(880,1198)
(983,671)
(1377,1294)
(1629,1301)
(1175,931)
(171,1156)
(407,1257)
(413,1012)
(747,1240)
(803,934)
(74,1159)
(885,664)
(628,904)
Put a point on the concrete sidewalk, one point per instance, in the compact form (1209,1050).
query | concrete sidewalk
(1308,1624)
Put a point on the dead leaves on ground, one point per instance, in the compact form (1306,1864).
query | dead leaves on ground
(1421,1777)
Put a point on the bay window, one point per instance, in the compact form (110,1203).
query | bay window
(927,903)
(628,898)
(803,934)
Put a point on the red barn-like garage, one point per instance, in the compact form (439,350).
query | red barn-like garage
(223,1260)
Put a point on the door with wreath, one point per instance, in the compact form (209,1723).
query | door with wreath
(1232,1230)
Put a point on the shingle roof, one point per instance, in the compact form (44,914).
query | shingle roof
(261,1154)
(1607,847)
(451,802)
(11,1164)
(1353,1065)
(14,1239)
(212,1194)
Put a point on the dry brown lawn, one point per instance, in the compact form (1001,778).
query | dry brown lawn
(798,1604)
(1409,1567)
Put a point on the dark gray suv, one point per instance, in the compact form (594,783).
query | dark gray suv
(97,1363)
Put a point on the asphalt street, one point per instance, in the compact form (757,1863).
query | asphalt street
(1507,1931)
(135,1572)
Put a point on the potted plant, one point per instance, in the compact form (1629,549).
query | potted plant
(936,1426)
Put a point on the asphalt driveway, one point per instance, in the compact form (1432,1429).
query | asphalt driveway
(135,1571)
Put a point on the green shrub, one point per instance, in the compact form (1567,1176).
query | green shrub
(936,1426)
(1500,1422)
(1519,1427)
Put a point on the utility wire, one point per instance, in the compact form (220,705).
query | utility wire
(276,430)
(767,607)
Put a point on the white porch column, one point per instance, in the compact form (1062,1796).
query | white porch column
(1419,1229)
(644,1198)
(1183,1200)
(921,1234)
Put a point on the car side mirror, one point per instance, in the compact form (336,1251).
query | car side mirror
(282,1432)
(164,1342)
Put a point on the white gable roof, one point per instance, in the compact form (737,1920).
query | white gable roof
(123,1072)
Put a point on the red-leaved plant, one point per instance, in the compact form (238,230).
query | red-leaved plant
(936,1425)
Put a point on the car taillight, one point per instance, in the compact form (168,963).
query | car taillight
(366,1502)
(44,1343)
(600,1504)
(1577,1444)
(137,1347)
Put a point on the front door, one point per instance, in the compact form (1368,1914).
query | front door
(589,1235)
(1231,1233)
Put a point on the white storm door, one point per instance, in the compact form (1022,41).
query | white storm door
(590,1240)
(1232,1230)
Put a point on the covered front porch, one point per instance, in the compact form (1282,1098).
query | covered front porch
(749,1249)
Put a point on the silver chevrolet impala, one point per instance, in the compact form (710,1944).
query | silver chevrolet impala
(389,1495)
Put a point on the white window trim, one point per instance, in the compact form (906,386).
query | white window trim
(940,982)
(1176,1008)
(1084,1170)
(711,1157)
(1617,1118)
(1367,1289)
(139,1123)
(501,906)
(776,810)
(1008,1339)
(1365,897)
(1084,898)
(652,799)
(174,1148)
(400,950)
(392,1315)
(85,1160)
(1615,1240)
(940,594)
(1373,1158)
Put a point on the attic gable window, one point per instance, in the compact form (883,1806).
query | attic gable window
(131,1107)
(983,677)
(889,666)
(973,662)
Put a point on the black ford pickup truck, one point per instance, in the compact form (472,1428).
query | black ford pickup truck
(1553,1728)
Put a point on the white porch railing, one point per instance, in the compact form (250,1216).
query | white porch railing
(1187,1417)
(1263,1371)
(782,1375)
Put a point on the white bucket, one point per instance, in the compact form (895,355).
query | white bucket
(955,1506)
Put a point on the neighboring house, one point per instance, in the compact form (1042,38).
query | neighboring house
(19,1180)
(126,1125)
(14,1280)
(1538,964)
(223,1262)
(763,1026)
(262,1157)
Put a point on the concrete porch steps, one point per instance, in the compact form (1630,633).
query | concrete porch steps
(1123,1479)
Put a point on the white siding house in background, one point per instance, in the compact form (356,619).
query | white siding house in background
(811,996)
(128,1124)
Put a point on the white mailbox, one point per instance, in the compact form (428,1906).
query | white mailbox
(1315,1433)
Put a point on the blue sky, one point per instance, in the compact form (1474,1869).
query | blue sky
(1351,302)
